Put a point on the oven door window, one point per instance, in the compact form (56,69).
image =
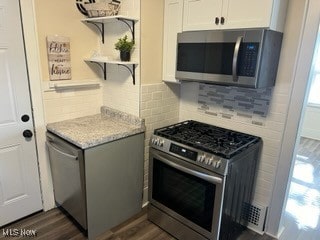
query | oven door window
(187,195)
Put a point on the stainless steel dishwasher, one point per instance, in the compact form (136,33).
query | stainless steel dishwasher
(67,167)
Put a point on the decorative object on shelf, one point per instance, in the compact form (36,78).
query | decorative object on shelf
(114,7)
(102,8)
(125,47)
(81,8)
(58,48)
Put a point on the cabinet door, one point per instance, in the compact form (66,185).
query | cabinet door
(246,13)
(201,14)
(172,25)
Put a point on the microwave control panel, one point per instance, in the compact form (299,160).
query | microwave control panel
(248,57)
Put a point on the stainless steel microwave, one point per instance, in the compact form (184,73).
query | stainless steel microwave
(244,58)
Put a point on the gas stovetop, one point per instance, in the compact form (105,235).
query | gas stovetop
(219,141)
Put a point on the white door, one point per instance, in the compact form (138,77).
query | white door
(19,178)
(201,14)
(247,13)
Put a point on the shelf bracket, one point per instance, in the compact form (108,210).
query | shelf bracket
(103,68)
(100,26)
(132,71)
(131,27)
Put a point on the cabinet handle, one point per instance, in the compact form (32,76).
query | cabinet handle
(222,20)
(216,20)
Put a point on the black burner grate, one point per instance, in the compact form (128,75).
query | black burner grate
(220,141)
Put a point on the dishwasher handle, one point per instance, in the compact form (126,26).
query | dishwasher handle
(50,145)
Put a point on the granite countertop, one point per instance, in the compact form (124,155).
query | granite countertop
(93,130)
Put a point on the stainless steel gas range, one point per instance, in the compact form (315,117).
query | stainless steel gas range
(201,178)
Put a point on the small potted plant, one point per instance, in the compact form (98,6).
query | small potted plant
(125,47)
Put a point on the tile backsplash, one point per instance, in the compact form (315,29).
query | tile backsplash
(159,107)
(73,103)
(244,105)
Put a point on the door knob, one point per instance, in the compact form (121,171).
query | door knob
(27,134)
(25,118)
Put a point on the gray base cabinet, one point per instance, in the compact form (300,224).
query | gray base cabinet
(114,183)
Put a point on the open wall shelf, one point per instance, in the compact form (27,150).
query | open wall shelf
(100,21)
(103,61)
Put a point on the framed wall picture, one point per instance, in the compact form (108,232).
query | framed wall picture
(58,48)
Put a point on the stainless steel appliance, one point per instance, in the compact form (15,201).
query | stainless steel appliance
(201,178)
(245,58)
(67,168)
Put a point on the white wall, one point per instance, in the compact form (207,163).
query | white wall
(118,90)
(311,126)
(159,107)
(303,16)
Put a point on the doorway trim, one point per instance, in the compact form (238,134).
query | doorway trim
(33,65)
(296,104)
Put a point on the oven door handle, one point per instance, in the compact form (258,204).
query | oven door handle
(206,177)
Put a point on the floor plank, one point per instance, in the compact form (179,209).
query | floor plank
(54,225)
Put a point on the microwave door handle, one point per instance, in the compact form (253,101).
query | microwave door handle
(235,59)
(206,177)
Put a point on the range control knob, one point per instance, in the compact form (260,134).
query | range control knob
(201,158)
(157,142)
(214,164)
(210,161)
(218,164)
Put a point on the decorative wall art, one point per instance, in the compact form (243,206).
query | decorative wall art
(58,48)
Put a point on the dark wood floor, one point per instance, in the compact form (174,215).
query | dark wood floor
(56,226)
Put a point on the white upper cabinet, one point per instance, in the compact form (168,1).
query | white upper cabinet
(201,14)
(233,14)
(247,13)
(172,25)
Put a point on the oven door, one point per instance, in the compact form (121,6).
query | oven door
(188,193)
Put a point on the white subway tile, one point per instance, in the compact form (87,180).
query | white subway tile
(146,97)
(156,95)
(146,113)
